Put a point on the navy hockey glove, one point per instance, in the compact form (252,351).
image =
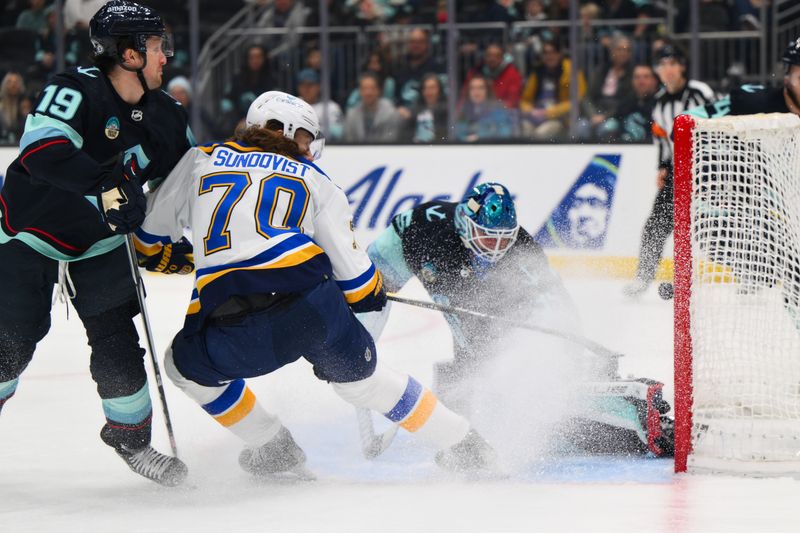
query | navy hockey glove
(374,301)
(121,196)
(174,258)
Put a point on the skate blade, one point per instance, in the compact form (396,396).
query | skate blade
(298,474)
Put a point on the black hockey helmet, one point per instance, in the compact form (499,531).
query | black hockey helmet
(123,19)
(791,56)
(669,51)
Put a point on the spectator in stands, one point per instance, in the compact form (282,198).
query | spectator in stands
(635,113)
(609,88)
(616,10)
(417,62)
(336,15)
(748,14)
(429,122)
(75,49)
(180,89)
(545,102)
(588,13)
(34,18)
(499,68)
(482,117)
(255,79)
(375,118)
(313,59)
(500,11)
(12,120)
(330,115)
(375,64)
(78,13)
(528,41)
(287,14)
(372,11)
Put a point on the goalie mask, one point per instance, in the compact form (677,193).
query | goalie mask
(292,112)
(486,221)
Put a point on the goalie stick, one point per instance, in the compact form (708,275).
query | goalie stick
(374,444)
(590,345)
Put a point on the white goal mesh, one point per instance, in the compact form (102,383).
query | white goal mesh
(744,294)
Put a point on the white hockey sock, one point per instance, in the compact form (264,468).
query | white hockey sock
(233,405)
(404,401)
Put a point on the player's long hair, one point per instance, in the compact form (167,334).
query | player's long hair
(268,139)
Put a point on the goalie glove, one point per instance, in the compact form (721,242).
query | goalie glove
(121,196)
(173,258)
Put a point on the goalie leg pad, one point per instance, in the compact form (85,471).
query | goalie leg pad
(623,417)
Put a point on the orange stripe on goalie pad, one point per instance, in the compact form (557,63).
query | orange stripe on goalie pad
(421,413)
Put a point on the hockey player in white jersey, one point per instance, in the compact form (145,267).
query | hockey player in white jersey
(279,276)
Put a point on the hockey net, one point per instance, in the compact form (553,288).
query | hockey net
(737,294)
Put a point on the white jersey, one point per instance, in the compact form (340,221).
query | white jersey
(260,223)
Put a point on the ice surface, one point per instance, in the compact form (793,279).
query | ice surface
(56,474)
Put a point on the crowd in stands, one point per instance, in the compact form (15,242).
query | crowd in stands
(514,87)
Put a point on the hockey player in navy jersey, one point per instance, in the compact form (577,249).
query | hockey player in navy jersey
(475,255)
(279,276)
(753,99)
(95,135)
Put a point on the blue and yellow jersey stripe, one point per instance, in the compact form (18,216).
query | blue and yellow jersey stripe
(290,252)
(291,265)
(148,244)
(362,287)
(209,148)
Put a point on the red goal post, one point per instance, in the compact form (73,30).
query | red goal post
(737,294)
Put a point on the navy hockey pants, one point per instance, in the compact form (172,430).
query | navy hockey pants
(316,324)
(106,303)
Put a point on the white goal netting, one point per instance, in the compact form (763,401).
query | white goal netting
(745,294)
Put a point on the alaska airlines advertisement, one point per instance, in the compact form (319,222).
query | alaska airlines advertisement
(581,202)
(576,200)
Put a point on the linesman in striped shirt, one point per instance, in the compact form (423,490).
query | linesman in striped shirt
(677,95)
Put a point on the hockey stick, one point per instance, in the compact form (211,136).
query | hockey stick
(140,294)
(373,444)
(592,346)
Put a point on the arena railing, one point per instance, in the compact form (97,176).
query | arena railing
(222,57)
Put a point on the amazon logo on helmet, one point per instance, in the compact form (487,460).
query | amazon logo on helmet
(124,24)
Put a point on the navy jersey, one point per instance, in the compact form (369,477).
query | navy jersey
(745,100)
(422,242)
(78,125)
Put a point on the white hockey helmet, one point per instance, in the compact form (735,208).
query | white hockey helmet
(290,111)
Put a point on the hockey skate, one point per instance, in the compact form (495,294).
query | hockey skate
(635,288)
(149,463)
(472,455)
(276,459)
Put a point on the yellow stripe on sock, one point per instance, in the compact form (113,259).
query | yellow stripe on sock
(421,413)
(240,410)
